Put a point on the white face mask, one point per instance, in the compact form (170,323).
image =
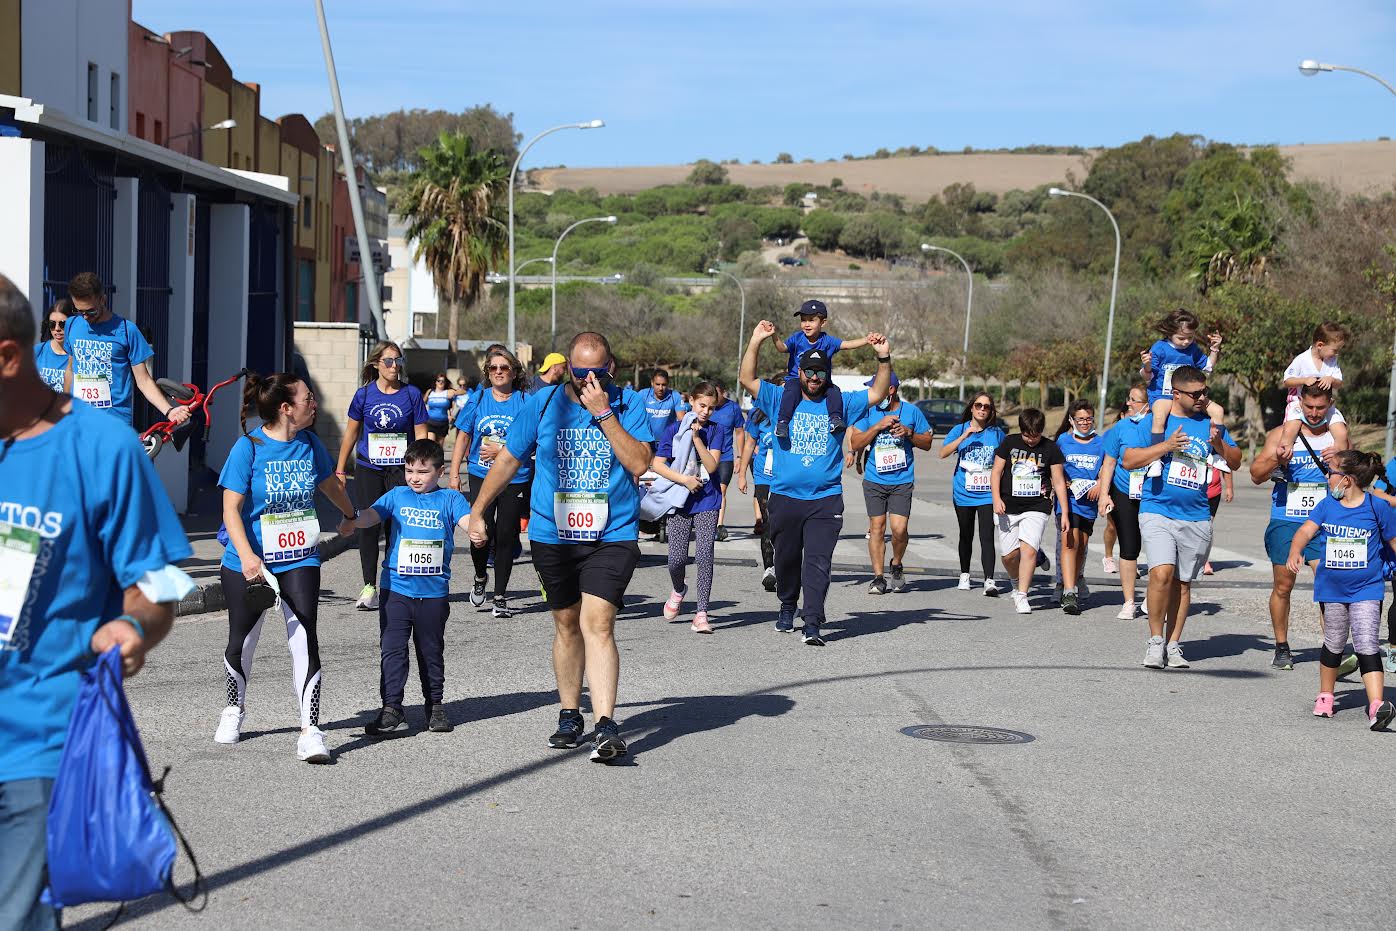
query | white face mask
(1339,493)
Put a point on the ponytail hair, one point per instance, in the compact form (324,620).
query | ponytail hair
(264,395)
(1361,467)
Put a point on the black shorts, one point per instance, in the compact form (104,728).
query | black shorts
(724,473)
(439,427)
(567,570)
(1084,524)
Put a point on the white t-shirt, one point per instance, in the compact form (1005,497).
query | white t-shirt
(1304,366)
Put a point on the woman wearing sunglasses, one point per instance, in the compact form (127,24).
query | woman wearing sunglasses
(973,440)
(384,416)
(439,400)
(49,354)
(484,428)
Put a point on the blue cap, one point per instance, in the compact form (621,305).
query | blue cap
(895,381)
(816,308)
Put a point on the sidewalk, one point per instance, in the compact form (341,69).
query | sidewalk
(201,527)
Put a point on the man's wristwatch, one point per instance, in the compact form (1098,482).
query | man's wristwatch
(354,516)
(886,358)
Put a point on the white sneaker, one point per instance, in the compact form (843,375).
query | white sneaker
(1153,654)
(311,746)
(229,725)
(1108,564)
(368,599)
(991,588)
(964,582)
(1126,612)
(1020,602)
(1175,656)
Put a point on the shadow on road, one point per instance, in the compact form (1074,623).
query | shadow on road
(863,623)
(459,712)
(671,718)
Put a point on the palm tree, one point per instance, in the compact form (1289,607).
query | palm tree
(453,210)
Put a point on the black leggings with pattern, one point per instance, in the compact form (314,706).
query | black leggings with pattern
(300,590)
(703,528)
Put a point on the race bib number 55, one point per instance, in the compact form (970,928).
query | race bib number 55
(580,515)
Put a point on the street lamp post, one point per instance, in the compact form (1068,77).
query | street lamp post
(221,124)
(592,124)
(741,327)
(519,268)
(552,346)
(969,307)
(1308,67)
(1114,286)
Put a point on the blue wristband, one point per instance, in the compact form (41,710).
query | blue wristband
(606,416)
(133,622)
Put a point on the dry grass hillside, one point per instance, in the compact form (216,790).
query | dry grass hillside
(1353,167)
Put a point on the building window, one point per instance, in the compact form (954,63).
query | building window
(159,133)
(307,205)
(305,291)
(351,302)
(140,125)
(115,101)
(92,91)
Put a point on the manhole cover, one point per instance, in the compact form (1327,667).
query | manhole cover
(967,734)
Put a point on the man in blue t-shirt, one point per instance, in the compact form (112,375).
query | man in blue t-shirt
(806,503)
(107,353)
(662,405)
(728,414)
(891,432)
(1174,520)
(82,570)
(590,441)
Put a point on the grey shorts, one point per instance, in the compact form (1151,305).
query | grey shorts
(1185,544)
(887,499)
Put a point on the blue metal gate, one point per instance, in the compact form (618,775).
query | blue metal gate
(79,219)
(263,272)
(153,270)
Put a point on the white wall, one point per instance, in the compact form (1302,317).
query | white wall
(58,43)
(22,217)
(229,229)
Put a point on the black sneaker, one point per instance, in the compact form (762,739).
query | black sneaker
(811,636)
(721,534)
(1284,659)
(477,591)
(785,622)
(436,721)
(878,586)
(782,428)
(835,423)
(1070,603)
(898,578)
(606,743)
(501,607)
(768,580)
(1043,562)
(570,728)
(389,719)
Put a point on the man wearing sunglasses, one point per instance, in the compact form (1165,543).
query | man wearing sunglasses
(107,353)
(1291,501)
(590,442)
(806,502)
(1174,520)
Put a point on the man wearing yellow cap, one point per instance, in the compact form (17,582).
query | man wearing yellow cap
(550,373)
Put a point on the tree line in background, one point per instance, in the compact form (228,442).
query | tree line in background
(1205,225)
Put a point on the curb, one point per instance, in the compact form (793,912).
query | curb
(209,595)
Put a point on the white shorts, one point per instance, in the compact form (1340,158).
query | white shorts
(1014,529)
(1293,412)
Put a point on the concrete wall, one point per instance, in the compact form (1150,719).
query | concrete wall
(22,210)
(229,228)
(11,72)
(62,42)
(329,353)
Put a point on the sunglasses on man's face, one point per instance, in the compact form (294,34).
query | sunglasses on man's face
(1195,395)
(815,374)
(602,373)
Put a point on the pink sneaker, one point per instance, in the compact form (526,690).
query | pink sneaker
(671,607)
(1108,564)
(1323,705)
(1207,569)
(700,623)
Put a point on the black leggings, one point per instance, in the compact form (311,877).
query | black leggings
(1125,517)
(300,590)
(369,485)
(768,552)
(965,515)
(1391,617)
(502,522)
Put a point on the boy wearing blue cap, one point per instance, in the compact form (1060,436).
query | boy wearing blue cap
(811,337)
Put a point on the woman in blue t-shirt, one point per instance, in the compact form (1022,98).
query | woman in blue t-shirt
(696,470)
(269,483)
(484,425)
(1354,527)
(974,440)
(440,401)
(384,416)
(1084,452)
(49,354)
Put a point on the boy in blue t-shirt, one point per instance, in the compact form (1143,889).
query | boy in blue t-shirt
(813,315)
(421,518)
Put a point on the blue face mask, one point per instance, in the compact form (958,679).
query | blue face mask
(1139,416)
(884,404)
(1083,436)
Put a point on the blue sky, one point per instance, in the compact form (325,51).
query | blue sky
(677,80)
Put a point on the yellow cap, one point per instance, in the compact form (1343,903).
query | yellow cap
(551,359)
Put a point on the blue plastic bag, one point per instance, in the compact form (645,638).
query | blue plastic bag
(109,835)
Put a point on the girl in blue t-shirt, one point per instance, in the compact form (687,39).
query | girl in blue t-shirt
(269,483)
(1084,452)
(385,415)
(440,402)
(49,354)
(974,440)
(1353,527)
(1177,349)
(696,519)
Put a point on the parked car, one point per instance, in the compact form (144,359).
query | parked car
(790,260)
(944,413)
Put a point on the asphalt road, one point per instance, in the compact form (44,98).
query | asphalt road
(771,785)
